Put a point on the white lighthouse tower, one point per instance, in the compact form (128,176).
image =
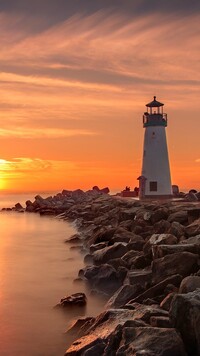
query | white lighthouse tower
(155,180)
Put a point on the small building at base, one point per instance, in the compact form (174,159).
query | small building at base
(155,179)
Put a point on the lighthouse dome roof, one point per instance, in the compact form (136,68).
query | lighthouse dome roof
(154,103)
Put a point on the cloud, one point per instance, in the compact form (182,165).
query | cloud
(41,133)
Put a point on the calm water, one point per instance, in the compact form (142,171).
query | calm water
(36,270)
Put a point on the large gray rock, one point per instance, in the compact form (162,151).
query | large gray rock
(104,277)
(179,216)
(165,239)
(193,229)
(106,332)
(176,229)
(185,317)
(161,213)
(192,240)
(107,253)
(101,330)
(150,341)
(158,289)
(159,251)
(123,295)
(189,284)
(183,263)
(162,227)
(143,277)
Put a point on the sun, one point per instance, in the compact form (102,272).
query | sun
(2,174)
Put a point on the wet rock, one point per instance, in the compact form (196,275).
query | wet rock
(73,239)
(107,253)
(98,246)
(185,317)
(123,295)
(19,207)
(76,299)
(104,277)
(189,284)
(80,326)
(101,330)
(150,341)
(103,236)
(174,264)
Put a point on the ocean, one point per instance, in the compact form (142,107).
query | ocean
(37,269)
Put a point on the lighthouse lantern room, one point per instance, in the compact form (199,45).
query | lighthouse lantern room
(155,179)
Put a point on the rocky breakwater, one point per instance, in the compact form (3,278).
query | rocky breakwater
(145,258)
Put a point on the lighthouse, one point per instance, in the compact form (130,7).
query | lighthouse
(155,179)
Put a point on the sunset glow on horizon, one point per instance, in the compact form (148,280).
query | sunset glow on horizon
(75,77)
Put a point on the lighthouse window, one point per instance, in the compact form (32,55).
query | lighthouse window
(153,186)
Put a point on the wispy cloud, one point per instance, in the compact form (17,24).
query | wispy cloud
(85,80)
(41,133)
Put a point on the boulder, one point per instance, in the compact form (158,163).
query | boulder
(99,246)
(162,227)
(158,289)
(105,277)
(19,207)
(185,317)
(107,253)
(123,295)
(193,229)
(189,284)
(76,299)
(176,229)
(159,214)
(160,239)
(101,331)
(150,341)
(179,216)
(192,240)
(143,277)
(105,336)
(128,214)
(183,263)
(128,256)
(159,251)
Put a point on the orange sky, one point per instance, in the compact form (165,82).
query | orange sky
(73,92)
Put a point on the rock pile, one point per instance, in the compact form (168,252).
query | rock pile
(145,257)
